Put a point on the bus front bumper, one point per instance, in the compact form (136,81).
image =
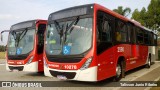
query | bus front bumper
(32,67)
(89,74)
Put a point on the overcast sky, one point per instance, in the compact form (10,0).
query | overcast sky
(14,11)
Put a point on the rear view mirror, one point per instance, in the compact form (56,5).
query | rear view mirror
(2,33)
(1,37)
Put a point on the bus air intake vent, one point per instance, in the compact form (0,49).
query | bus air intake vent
(69,75)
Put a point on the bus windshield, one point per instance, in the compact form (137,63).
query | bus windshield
(20,41)
(70,37)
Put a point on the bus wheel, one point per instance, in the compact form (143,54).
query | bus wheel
(148,65)
(118,72)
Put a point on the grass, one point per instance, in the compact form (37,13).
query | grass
(2,55)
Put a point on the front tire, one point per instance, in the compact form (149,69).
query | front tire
(148,65)
(118,72)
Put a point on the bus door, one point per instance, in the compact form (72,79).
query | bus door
(141,50)
(40,45)
(134,49)
(105,52)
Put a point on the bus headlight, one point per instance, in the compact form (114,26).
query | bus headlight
(30,60)
(45,63)
(86,64)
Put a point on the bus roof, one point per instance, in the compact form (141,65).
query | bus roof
(24,24)
(70,12)
(115,14)
(86,9)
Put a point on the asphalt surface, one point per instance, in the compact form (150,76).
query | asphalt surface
(138,74)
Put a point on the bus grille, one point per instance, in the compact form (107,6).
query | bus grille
(20,57)
(20,68)
(69,75)
(65,60)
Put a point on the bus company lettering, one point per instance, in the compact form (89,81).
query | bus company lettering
(54,65)
(70,67)
(11,62)
(16,62)
(120,49)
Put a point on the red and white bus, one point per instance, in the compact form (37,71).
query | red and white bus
(25,45)
(92,43)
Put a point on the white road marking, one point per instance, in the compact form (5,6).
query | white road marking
(151,69)
(148,88)
(2,64)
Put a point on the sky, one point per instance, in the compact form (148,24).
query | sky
(14,11)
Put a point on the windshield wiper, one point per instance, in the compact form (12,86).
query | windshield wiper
(14,36)
(59,29)
(25,31)
(62,33)
(20,37)
(70,27)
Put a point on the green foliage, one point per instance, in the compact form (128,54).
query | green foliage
(149,18)
(2,55)
(2,48)
(136,15)
(141,16)
(125,12)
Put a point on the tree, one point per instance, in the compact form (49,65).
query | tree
(125,12)
(143,16)
(140,16)
(154,14)
(136,15)
(2,48)
(150,18)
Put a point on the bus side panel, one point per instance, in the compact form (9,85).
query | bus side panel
(130,58)
(153,51)
(138,56)
(107,61)
(143,51)
(125,51)
(106,67)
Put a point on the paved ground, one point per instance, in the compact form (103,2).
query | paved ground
(139,74)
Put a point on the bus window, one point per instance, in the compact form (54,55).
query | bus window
(146,36)
(140,36)
(149,38)
(104,32)
(155,40)
(129,28)
(121,32)
(131,33)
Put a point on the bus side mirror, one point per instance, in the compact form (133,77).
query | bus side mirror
(2,35)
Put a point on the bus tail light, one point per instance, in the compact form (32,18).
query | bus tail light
(45,63)
(30,60)
(86,64)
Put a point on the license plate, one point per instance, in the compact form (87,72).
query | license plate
(61,77)
(15,70)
